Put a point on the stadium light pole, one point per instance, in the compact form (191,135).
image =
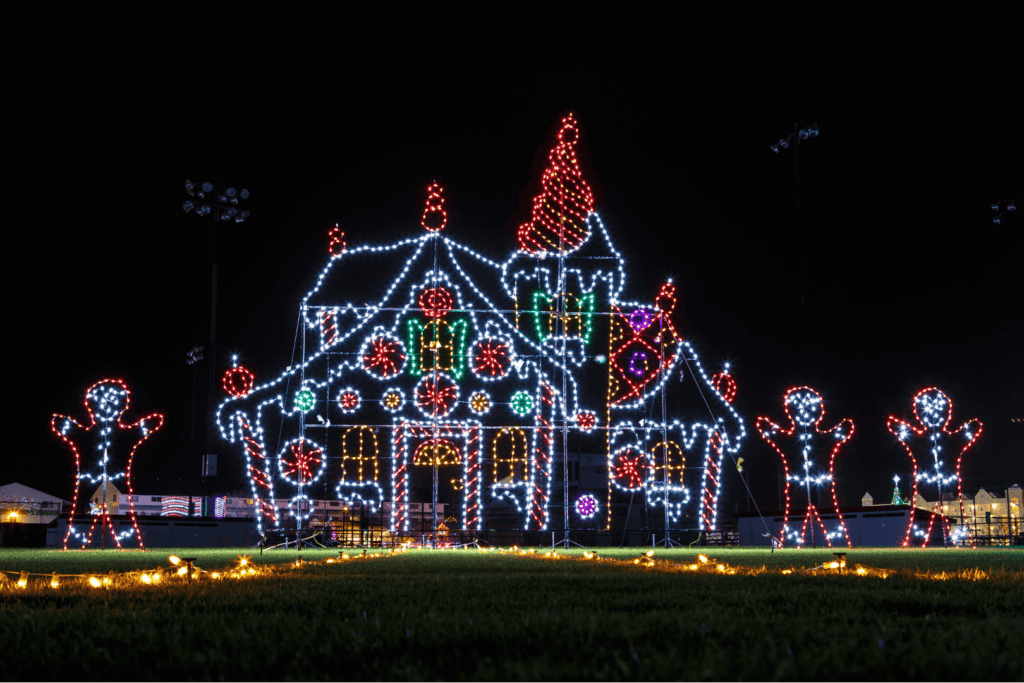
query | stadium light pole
(194,356)
(793,140)
(222,206)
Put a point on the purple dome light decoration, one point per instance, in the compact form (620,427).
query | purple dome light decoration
(586,506)
(640,319)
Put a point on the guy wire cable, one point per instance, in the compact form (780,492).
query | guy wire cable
(715,419)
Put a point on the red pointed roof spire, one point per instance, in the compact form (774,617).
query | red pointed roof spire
(434,216)
(560,210)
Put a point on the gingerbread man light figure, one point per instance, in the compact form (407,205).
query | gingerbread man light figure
(805,409)
(106,403)
(933,411)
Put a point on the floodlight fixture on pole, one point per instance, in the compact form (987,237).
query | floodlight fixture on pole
(796,136)
(1009,206)
(226,201)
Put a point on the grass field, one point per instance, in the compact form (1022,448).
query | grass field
(469,615)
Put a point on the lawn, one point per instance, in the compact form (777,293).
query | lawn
(469,615)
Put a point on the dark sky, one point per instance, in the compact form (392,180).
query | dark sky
(345,119)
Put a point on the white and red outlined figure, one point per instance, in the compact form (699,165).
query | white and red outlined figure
(106,402)
(933,411)
(805,410)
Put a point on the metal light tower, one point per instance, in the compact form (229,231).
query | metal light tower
(794,139)
(194,356)
(222,206)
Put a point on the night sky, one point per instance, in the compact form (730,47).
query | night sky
(323,119)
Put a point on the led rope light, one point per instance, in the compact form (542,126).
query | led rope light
(300,463)
(511,486)
(349,400)
(174,506)
(805,410)
(645,351)
(336,241)
(360,468)
(383,355)
(416,336)
(492,359)
(106,402)
(560,211)
(454,437)
(586,506)
(304,400)
(436,395)
(434,216)
(393,400)
(933,411)
(586,420)
(522,403)
(238,380)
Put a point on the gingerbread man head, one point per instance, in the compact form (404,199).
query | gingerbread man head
(932,408)
(107,400)
(804,406)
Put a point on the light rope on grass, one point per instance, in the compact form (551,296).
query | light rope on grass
(186,569)
(707,565)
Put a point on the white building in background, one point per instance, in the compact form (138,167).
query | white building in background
(20,503)
(986,514)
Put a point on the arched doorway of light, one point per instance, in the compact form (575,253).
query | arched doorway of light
(445,460)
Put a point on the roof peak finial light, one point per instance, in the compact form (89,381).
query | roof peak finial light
(559,220)
(435,218)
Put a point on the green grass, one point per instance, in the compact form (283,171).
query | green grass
(101,562)
(466,615)
(914,559)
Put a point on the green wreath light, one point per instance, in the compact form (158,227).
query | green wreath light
(304,400)
(522,402)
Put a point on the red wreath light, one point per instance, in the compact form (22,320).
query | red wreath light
(586,420)
(238,381)
(437,394)
(436,302)
(384,358)
(302,460)
(491,358)
(348,400)
(630,469)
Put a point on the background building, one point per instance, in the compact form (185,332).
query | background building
(991,519)
(25,505)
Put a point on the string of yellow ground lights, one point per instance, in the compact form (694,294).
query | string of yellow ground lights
(184,570)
